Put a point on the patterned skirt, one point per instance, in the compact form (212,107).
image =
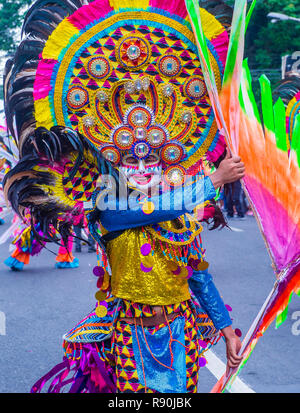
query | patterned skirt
(130,352)
(110,354)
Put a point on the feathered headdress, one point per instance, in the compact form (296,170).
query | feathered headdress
(92,81)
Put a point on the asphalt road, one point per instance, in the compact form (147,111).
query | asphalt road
(40,304)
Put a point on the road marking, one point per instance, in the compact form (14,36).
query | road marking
(218,368)
(2,324)
(236,229)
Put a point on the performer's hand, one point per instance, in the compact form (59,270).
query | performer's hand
(230,170)
(233,346)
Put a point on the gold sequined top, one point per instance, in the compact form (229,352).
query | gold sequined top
(156,284)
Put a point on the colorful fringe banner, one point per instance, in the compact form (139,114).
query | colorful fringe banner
(272,181)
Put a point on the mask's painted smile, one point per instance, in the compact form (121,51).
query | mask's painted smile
(142,179)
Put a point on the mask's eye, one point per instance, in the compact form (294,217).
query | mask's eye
(130,160)
(152,159)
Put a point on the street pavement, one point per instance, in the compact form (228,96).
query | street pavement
(40,304)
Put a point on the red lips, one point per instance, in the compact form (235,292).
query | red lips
(142,179)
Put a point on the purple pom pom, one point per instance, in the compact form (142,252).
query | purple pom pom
(177,272)
(191,262)
(202,343)
(146,249)
(190,271)
(238,332)
(145,269)
(98,271)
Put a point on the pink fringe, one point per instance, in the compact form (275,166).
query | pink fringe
(273,216)
(42,83)
(220,43)
(172,6)
(89,13)
(63,250)
(287,123)
(219,149)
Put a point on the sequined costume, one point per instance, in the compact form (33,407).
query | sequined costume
(24,239)
(118,89)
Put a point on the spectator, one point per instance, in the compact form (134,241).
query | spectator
(233,196)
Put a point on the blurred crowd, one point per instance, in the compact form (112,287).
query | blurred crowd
(233,202)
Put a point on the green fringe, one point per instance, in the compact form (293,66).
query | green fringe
(295,144)
(280,128)
(280,319)
(267,103)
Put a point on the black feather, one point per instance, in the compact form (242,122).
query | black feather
(40,21)
(287,88)
(23,184)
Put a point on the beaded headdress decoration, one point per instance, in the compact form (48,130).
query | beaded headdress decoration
(126,75)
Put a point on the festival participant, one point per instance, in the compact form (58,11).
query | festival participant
(24,237)
(118,117)
(27,244)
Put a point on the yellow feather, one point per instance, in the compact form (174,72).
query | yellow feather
(211,26)
(130,4)
(43,113)
(57,42)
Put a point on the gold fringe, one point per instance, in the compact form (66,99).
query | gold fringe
(59,39)
(130,4)
(43,113)
(211,26)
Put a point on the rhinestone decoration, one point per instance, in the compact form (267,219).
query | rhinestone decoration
(137,86)
(194,88)
(168,90)
(145,83)
(88,121)
(102,96)
(141,150)
(139,116)
(129,87)
(186,117)
(169,65)
(156,136)
(171,153)
(174,175)
(111,154)
(123,138)
(139,119)
(77,97)
(98,67)
(133,52)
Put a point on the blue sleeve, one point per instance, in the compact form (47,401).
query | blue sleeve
(204,289)
(127,213)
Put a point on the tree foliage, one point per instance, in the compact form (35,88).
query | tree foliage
(11,18)
(267,41)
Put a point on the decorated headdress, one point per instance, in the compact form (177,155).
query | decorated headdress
(289,91)
(111,78)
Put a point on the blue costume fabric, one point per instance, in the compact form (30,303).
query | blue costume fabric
(117,216)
